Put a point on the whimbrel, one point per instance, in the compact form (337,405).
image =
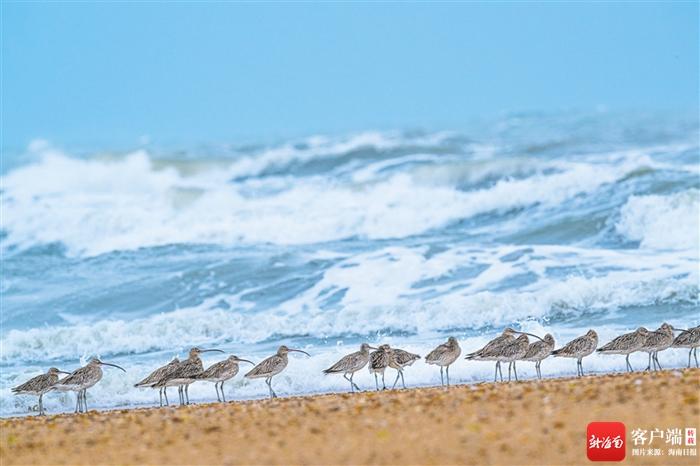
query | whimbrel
(378,362)
(539,351)
(350,364)
(658,340)
(185,373)
(626,344)
(579,348)
(156,376)
(443,356)
(398,359)
(81,379)
(272,366)
(490,351)
(222,371)
(689,339)
(39,385)
(508,352)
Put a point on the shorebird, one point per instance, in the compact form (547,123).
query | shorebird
(81,379)
(222,371)
(626,344)
(350,364)
(579,348)
(490,351)
(156,376)
(689,339)
(398,359)
(509,352)
(272,366)
(185,373)
(538,351)
(378,362)
(658,340)
(39,385)
(443,356)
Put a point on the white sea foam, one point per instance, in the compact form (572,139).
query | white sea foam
(95,206)
(382,290)
(662,221)
(303,375)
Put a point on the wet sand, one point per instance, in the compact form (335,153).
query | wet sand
(517,423)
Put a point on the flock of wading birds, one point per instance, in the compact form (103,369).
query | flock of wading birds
(504,348)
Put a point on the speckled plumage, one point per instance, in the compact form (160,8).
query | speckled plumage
(350,364)
(658,340)
(538,351)
(158,374)
(579,348)
(184,373)
(220,372)
(378,362)
(272,366)
(509,352)
(689,339)
(151,381)
(487,352)
(400,359)
(81,379)
(444,355)
(626,344)
(39,385)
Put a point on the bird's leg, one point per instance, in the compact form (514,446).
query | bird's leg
(187,393)
(216,387)
(403,384)
(180,395)
(353,383)
(345,376)
(447,371)
(695,355)
(398,373)
(165,394)
(648,365)
(376,381)
(41,406)
(442,382)
(510,365)
(223,397)
(160,396)
(77,401)
(689,355)
(656,356)
(515,371)
(495,375)
(85,399)
(383,382)
(580,364)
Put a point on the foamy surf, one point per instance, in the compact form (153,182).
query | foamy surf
(325,242)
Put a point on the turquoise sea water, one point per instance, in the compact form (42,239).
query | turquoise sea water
(553,223)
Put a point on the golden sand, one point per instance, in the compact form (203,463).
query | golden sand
(511,423)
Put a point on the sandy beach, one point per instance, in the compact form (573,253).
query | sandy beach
(531,422)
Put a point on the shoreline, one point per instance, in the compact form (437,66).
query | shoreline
(309,394)
(486,423)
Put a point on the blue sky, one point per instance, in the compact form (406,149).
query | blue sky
(101,74)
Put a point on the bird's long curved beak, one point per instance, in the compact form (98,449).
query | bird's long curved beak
(245,360)
(299,351)
(113,365)
(531,334)
(64,372)
(676,329)
(212,350)
(372,347)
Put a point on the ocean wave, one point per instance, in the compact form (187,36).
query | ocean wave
(395,290)
(669,221)
(94,206)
